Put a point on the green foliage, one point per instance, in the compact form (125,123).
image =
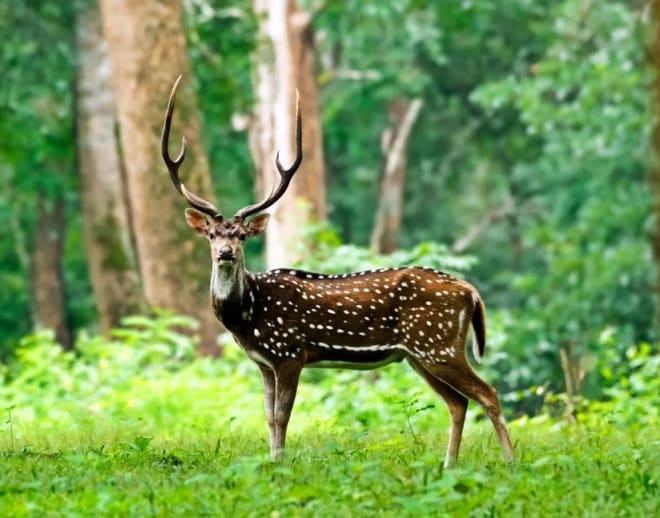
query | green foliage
(137,425)
(147,374)
(37,153)
(583,104)
(634,387)
(440,52)
(330,255)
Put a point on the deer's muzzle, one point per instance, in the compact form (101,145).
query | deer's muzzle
(226,254)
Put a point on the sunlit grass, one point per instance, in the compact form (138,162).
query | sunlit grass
(346,470)
(130,429)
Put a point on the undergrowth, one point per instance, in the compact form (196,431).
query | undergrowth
(136,426)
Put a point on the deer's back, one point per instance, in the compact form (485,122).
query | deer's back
(403,310)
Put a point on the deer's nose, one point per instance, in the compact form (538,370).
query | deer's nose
(226,253)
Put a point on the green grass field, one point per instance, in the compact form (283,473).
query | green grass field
(141,428)
(348,471)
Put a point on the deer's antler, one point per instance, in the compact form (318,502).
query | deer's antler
(173,164)
(285,174)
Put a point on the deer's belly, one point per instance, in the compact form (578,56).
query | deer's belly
(356,360)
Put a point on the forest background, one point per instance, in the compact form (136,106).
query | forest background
(510,143)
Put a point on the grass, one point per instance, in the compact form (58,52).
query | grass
(351,471)
(137,428)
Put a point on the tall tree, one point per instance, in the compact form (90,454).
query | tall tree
(284,61)
(48,310)
(111,260)
(402,115)
(147,51)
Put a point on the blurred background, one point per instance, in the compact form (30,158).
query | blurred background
(505,142)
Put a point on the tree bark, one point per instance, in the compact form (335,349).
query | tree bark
(147,51)
(385,234)
(111,260)
(48,310)
(284,62)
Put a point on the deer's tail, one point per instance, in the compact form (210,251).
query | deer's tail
(479,326)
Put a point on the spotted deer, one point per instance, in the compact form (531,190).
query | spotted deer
(288,319)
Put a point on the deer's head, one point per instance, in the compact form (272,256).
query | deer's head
(226,236)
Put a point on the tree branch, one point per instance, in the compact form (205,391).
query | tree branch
(461,244)
(396,151)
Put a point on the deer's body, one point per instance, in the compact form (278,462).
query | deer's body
(287,319)
(358,320)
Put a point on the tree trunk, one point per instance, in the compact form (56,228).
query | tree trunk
(147,51)
(385,235)
(284,62)
(48,297)
(111,261)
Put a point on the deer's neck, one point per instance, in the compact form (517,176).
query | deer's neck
(232,299)
(227,282)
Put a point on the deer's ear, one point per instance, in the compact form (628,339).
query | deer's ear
(197,221)
(257,224)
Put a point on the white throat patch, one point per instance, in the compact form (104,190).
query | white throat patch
(223,282)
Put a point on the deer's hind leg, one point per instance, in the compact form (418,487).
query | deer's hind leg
(457,405)
(460,376)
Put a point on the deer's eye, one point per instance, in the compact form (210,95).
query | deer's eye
(211,235)
(242,236)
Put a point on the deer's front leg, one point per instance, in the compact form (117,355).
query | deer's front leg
(286,385)
(268,377)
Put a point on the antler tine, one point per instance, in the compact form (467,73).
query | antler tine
(174,164)
(285,174)
(296,163)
